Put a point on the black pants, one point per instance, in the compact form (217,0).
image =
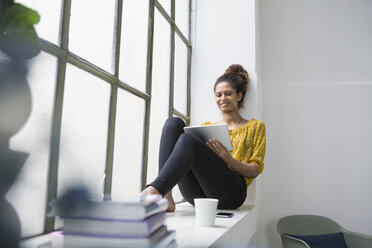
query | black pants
(199,172)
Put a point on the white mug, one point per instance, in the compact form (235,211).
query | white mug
(205,211)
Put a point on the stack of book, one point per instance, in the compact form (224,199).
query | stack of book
(134,222)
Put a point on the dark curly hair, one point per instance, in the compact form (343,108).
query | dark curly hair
(238,78)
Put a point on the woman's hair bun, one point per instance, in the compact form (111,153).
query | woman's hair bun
(238,78)
(238,70)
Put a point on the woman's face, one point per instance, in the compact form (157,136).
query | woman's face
(227,98)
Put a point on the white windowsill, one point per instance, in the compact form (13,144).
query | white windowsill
(227,232)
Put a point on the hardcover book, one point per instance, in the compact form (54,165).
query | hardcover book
(160,239)
(139,209)
(114,227)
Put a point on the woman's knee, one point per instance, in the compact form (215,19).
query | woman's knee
(174,123)
(187,139)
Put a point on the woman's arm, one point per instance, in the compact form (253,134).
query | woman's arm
(247,170)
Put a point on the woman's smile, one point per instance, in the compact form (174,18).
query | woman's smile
(224,104)
(226,96)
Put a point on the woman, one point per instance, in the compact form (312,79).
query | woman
(207,169)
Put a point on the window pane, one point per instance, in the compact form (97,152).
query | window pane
(49,11)
(128,144)
(180,76)
(182,16)
(160,91)
(91,31)
(166,4)
(84,131)
(133,50)
(28,194)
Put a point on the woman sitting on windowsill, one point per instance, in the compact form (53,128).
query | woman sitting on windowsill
(208,170)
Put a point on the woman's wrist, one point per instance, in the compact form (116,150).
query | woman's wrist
(232,162)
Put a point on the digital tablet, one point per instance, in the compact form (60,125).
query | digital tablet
(219,132)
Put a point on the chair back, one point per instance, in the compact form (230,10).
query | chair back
(307,225)
(317,225)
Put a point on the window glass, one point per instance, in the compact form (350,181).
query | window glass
(166,4)
(92,31)
(160,91)
(49,11)
(28,194)
(180,76)
(86,98)
(133,50)
(182,16)
(84,131)
(128,144)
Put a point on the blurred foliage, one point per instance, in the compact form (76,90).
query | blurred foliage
(19,42)
(18,37)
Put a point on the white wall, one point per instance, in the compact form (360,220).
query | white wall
(224,35)
(316,73)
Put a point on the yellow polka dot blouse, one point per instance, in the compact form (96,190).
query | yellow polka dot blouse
(249,144)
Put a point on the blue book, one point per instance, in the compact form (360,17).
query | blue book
(137,208)
(159,239)
(114,227)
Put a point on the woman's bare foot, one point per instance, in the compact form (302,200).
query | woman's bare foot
(152,190)
(171,204)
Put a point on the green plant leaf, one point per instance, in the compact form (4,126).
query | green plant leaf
(5,4)
(18,37)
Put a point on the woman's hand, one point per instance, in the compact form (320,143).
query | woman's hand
(247,170)
(220,150)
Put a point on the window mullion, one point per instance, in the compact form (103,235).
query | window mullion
(172,59)
(52,180)
(171,21)
(146,125)
(117,36)
(189,54)
(107,187)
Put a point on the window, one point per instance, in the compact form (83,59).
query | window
(109,74)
